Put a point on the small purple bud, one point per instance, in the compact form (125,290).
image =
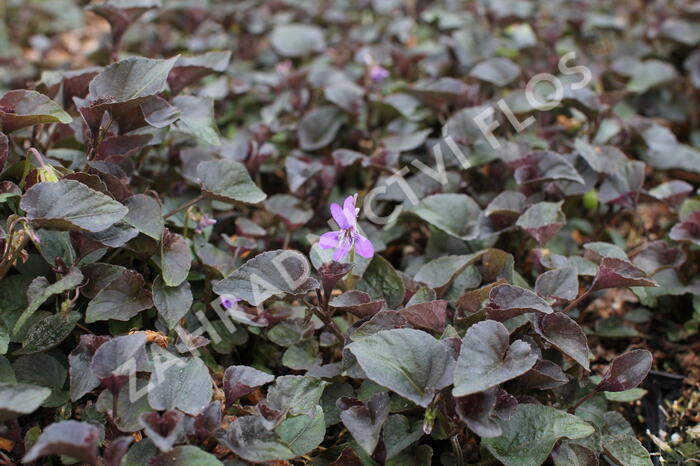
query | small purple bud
(227,302)
(378,73)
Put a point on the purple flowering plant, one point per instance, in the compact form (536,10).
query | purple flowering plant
(490,290)
(348,238)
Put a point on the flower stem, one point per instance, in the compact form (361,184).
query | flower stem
(184,206)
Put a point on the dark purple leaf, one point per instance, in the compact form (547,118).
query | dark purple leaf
(122,299)
(624,186)
(542,221)
(565,334)
(357,303)
(626,371)
(175,258)
(267,274)
(228,181)
(164,429)
(70,438)
(115,451)
(299,171)
(290,209)
(365,420)
(242,380)
(657,256)
(207,422)
(559,284)
(672,192)
(121,88)
(188,70)
(120,14)
(21,108)
(82,380)
(118,359)
(487,358)
(545,375)
(428,316)
(330,273)
(614,273)
(476,411)
(70,205)
(544,165)
(506,301)
(688,229)
(318,128)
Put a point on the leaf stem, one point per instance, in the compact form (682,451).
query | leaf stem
(457,450)
(576,301)
(573,409)
(184,206)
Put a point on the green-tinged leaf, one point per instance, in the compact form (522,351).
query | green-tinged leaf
(626,450)
(19,399)
(380,281)
(455,214)
(48,332)
(409,362)
(184,384)
(296,436)
(188,455)
(172,302)
(228,181)
(40,290)
(529,436)
(22,108)
(70,205)
(175,258)
(268,274)
(488,359)
(122,299)
(145,214)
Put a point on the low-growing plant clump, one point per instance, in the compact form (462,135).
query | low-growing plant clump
(349,233)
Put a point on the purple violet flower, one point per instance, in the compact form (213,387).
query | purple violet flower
(204,222)
(227,302)
(378,73)
(348,236)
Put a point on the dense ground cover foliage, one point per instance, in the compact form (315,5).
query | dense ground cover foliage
(330,232)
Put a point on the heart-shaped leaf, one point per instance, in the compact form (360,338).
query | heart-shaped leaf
(559,284)
(381,282)
(228,181)
(21,108)
(18,399)
(188,70)
(357,303)
(268,274)
(122,299)
(428,316)
(70,205)
(172,302)
(565,334)
(409,362)
(506,301)
(614,273)
(70,438)
(184,384)
(487,358)
(175,258)
(529,436)
(542,221)
(163,429)
(626,371)
(242,380)
(455,214)
(365,420)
